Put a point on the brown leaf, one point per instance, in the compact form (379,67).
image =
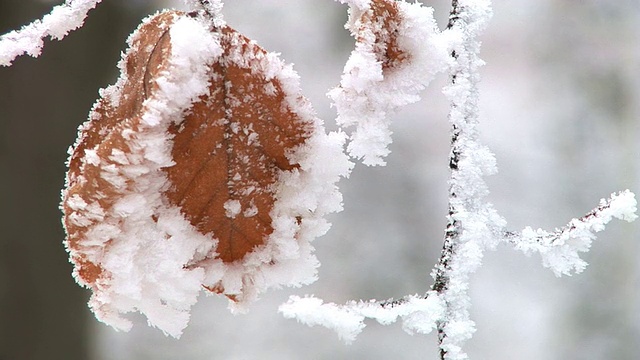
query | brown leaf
(228,151)
(383,19)
(231,148)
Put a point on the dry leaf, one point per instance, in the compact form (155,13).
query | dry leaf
(203,167)
(230,149)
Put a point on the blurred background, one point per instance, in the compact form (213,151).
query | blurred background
(560,109)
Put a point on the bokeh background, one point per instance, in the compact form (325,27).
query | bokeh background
(560,109)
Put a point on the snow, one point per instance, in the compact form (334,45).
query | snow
(57,24)
(232,208)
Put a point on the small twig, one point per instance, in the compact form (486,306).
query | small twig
(56,25)
(391,303)
(560,248)
(348,319)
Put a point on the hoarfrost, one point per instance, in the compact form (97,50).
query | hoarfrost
(418,314)
(311,311)
(369,94)
(57,24)
(560,249)
(232,208)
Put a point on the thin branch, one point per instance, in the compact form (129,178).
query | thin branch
(469,161)
(57,24)
(418,313)
(559,248)
(443,268)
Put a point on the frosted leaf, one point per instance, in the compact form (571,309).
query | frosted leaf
(398,52)
(166,195)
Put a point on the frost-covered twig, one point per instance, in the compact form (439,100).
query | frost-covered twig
(473,224)
(418,313)
(57,24)
(560,248)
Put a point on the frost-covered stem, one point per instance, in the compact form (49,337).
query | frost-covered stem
(441,279)
(560,248)
(443,267)
(588,220)
(462,248)
(417,313)
(451,233)
(57,24)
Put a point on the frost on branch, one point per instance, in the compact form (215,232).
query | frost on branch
(560,249)
(418,314)
(57,24)
(473,224)
(203,167)
(398,52)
